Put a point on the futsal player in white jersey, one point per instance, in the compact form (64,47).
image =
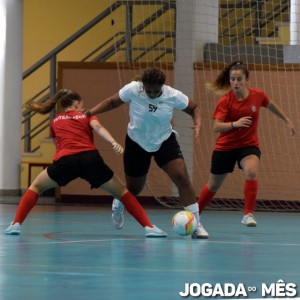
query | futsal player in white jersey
(149,134)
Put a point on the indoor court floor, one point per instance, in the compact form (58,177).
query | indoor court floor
(74,252)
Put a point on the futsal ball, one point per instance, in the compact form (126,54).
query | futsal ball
(184,223)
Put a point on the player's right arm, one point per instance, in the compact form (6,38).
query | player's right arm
(107,104)
(105,134)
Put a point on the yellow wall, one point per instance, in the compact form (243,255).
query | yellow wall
(49,23)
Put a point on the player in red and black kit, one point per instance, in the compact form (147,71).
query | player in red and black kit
(236,120)
(76,156)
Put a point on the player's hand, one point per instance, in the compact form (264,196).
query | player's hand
(243,122)
(291,126)
(197,130)
(117,148)
(86,112)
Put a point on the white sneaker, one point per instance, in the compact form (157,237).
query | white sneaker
(249,220)
(13,229)
(117,213)
(200,233)
(154,232)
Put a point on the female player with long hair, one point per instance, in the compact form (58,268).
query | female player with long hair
(77,156)
(150,134)
(236,120)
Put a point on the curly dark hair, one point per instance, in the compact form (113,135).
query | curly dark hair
(153,76)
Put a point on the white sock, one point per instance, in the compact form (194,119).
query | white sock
(194,209)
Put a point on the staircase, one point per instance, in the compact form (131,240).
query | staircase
(249,22)
(282,35)
(136,43)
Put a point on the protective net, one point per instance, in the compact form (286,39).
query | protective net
(192,41)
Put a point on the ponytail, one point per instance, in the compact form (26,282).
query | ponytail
(65,96)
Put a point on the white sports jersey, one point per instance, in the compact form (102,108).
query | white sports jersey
(150,119)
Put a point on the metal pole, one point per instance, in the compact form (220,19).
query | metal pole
(52,81)
(294,22)
(128,32)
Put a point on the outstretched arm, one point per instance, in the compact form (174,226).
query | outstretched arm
(105,134)
(193,110)
(107,104)
(276,110)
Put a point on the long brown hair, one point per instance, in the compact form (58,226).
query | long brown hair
(65,97)
(222,83)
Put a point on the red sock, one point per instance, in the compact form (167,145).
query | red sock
(26,204)
(250,193)
(204,198)
(135,209)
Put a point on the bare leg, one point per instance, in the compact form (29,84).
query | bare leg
(176,170)
(42,183)
(250,165)
(216,181)
(115,187)
(135,184)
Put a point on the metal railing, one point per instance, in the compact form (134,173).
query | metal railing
(106,50)
(261,20)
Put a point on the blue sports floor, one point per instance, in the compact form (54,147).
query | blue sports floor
(74,252)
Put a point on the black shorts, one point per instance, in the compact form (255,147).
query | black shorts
(224,161)
(87,165)
(137,160)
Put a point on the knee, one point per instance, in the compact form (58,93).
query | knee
(134,190)
(38,189)
(251,175)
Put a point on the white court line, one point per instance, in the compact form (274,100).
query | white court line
(60,241)
(68,242)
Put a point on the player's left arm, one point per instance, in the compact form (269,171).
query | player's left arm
(105,134)
(194,111)
(276,110)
